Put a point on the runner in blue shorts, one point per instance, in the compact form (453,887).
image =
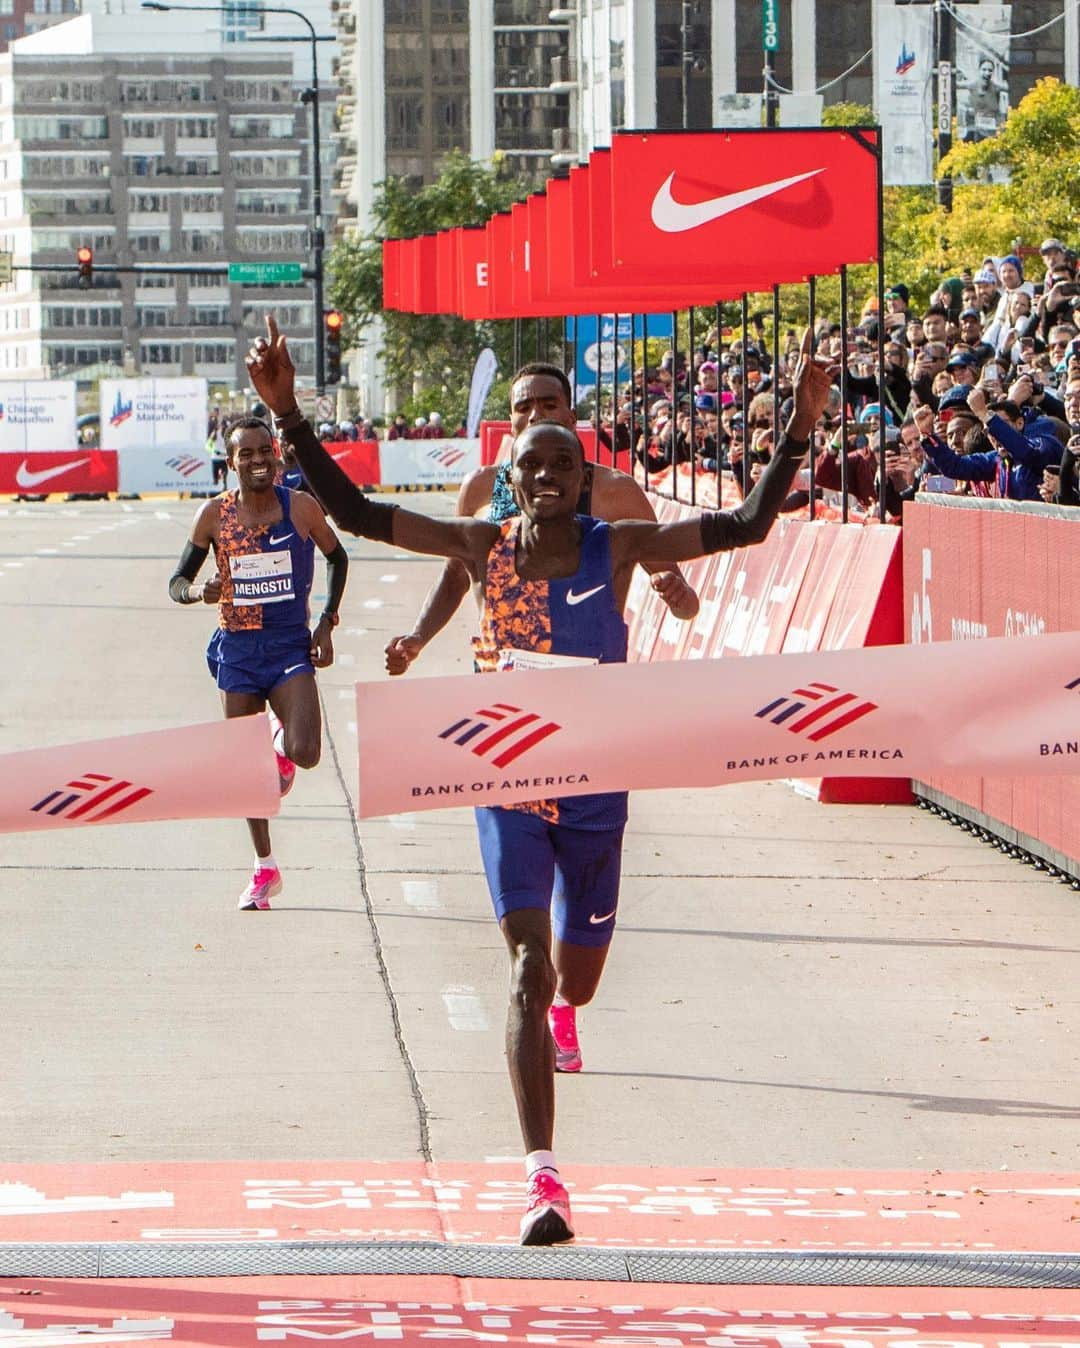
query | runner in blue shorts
(554,585)
(264,538)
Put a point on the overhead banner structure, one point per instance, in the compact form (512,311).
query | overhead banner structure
(221,770)
(660,221)
(497,740)
(158,428)
(904,92)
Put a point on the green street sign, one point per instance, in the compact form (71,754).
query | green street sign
(265,273)
(770,25)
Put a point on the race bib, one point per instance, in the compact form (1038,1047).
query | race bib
(509,658)
(261,578)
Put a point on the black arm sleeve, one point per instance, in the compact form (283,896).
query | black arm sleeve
(1068,492)
(186,570)
(749,523)
(337,570)
(342,500)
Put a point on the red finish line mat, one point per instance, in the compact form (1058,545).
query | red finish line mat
(614,1207)
(242,1312)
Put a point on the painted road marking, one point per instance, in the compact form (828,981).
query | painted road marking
(465,1009)
(421,893)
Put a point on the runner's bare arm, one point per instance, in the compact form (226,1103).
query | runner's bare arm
(444,598)
(310,519)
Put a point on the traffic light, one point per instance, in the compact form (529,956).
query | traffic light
(84,256)
(332,322)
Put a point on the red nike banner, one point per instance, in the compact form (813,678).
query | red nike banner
(792,203)
(391,273)
(473,272)
(39,473)
(406,275)
(500,266)
(446,271)
(425,263)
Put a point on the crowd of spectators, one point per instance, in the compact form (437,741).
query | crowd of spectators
(981,394)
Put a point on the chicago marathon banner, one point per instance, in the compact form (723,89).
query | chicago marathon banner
(220,770)
(158,428)
(884,711)
(903,92)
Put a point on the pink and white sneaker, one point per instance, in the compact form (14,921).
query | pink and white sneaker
(562,1022)
(547,1211)
(261,888)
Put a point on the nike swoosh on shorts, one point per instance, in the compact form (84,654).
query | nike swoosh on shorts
(596,920)
(675,217)
(572,598)
(293,668)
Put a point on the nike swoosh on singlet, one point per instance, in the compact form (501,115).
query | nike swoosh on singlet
(572,598)
(675,217)
(595,920)
(24,477)
(274,541)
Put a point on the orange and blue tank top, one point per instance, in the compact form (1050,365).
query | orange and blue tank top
(572,615)
(266,572)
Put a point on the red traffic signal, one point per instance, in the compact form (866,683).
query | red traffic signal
(84,257)
(334,320)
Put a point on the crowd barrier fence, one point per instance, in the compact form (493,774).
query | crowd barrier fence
(976,568)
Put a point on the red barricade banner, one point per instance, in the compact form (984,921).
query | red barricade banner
(972,573)
(438,743)
(220,770)
(38,473)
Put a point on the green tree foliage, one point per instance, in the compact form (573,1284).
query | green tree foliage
(434,351)
(848,114)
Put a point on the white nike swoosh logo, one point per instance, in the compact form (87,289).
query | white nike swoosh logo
(572,598)
(274,541)
(25,478)
(675,217)
(597,920)
(293,668)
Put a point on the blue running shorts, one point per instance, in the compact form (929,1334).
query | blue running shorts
(572,873)
(256,662)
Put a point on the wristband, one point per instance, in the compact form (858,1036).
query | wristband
(332,618)
(289,420)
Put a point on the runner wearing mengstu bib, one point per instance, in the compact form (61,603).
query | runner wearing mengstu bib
(264,538)
(549,549)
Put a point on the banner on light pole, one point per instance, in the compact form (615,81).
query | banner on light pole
(903,93)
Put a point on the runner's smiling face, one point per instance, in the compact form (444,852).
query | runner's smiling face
(253,457)
(547,471)
(538,397)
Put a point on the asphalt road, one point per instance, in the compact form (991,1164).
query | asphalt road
(791,985)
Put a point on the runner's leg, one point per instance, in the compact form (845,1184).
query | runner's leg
(530,1053)
(250,704)
(296,704)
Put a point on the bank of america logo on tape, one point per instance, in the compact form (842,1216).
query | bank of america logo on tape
(92,798)
(826,709)
(500,732)
(446,455)
(185,464)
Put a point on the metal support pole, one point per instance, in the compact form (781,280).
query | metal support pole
(597,387)
(811,302)
(674,400)
(745,406)
(945,43)
(633,399)
(844,375)
(645,399)
(776,365)
(693,408)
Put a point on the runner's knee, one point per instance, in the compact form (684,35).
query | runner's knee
(532,980)
(302,747)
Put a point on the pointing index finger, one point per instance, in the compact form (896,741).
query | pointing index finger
(271,328)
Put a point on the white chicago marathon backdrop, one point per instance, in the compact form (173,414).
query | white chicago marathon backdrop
(37,416)
(158,428)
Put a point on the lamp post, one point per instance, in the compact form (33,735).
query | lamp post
(309,95)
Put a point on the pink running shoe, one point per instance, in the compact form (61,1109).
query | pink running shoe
(263,885)
(562,1022)
(547,1211)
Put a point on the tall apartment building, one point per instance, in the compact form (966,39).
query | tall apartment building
(188,158)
